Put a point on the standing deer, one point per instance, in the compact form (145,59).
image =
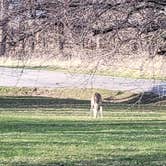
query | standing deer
(96,105)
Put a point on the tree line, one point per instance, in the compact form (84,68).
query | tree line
(131,25)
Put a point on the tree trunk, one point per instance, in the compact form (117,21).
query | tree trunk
(61,36)
(2,40)
(3,27)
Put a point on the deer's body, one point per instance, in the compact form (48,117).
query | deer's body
(96,105)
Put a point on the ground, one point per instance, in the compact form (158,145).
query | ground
(40,131)
(143,66)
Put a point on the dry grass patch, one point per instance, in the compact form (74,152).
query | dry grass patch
(137,66)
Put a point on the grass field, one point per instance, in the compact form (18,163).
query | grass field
(36,130)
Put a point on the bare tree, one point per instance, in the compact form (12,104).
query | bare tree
(87,23)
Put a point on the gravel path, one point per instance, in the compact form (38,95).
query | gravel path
(50,79)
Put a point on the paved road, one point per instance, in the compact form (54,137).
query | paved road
(50,79)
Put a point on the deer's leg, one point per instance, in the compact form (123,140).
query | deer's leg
(101,111)
(91,111)
(95,113)
(92,108)
(95,110)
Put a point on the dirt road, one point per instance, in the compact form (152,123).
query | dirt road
(50,79)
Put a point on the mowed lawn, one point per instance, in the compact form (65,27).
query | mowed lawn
(42,131)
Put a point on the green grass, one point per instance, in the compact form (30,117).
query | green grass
(41,131)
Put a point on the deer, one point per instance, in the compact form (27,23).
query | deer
(96,105)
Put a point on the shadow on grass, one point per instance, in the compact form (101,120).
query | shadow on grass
(141,98)
(41,102)
(154,159)
(50,102)
(146,98)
